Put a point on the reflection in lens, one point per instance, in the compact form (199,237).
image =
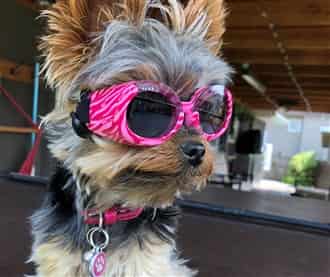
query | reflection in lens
(211,106)
(150,115)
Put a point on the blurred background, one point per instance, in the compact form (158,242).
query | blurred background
(266,211)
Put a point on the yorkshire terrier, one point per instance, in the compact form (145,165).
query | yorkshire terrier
(141,91)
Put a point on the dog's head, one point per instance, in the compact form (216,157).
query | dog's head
(93,45)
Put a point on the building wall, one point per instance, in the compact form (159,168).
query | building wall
(19,30)
(309,139)
(286,144)
(311,136)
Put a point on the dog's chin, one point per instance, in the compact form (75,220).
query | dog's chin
(134,189)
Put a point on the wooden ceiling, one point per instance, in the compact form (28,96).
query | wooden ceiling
(303,28)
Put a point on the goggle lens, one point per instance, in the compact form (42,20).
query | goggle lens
(212,108)
(151,114)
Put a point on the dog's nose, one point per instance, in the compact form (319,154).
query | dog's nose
(193,151)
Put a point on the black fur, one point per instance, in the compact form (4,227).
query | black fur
(60,217)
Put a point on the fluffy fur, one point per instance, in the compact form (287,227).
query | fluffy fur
(93,44)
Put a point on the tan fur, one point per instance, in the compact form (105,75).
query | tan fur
(72,23)
(215,22)
(55,261)
(155,259)
(66,46)
(102,161)
(71,26)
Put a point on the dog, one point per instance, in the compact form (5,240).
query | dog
(140,94)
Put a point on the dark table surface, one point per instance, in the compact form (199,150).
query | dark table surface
(274,204)
(216,246)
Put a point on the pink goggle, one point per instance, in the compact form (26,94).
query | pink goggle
(146,113)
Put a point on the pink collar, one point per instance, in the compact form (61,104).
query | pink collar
(111,216)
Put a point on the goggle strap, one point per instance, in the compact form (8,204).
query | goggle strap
(82,110)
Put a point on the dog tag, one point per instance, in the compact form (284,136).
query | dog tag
(96,262)
(98,238)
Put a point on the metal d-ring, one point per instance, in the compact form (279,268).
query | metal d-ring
(91,238)
(93,229)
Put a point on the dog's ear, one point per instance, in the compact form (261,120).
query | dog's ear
(66,46)
(69,44)
(207,15)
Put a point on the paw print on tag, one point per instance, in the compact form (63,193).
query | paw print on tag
(98,265)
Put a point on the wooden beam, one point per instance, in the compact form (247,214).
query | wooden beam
(264,56)
(277,87)
(314,109)
(283,99)
(264,106)
(296,96)
(16,72)
(251,98)
(314,105)
(281,90)
(17,130)
(306,85)
(299,107)
(274,70)
(293,38)
(273,83)
(258,103)
(245,13)
(306,75)
(321,80)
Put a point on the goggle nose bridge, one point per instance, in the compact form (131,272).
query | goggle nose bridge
(191,117)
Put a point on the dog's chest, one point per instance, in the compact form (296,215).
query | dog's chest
(155,258)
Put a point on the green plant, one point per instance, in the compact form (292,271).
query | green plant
(301,169)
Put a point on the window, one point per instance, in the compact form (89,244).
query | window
(295,126)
